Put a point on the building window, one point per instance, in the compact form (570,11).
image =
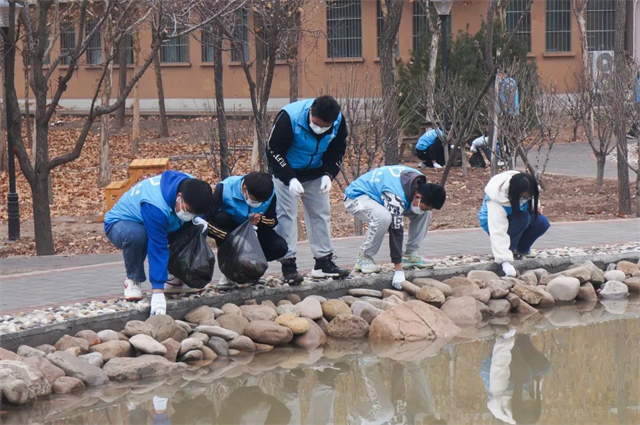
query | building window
(206,40)
(240,49)
(67,41)
(420,26)
(344,28)
(282,50)
(379,24)
(558,26)
(523,31)
(94,47)
(128,45)
(601,24)
(176,50)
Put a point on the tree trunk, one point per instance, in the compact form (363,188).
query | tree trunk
(434,29)
(104,173)
(601,161)
(294,60)
(164,127)
(135,137)
(122,82)
(3,140)
(42,214)
(218,78)
(27,114)
(624,190)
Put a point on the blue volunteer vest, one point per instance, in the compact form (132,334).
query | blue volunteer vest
(483,214)
(233,202)
(306,151)
(379,180)
(128,207)
(427,139)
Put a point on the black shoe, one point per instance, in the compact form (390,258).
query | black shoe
(325,267)
(290,273)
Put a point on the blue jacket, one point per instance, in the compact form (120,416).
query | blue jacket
(428,138)
(234,203)
(152,202)
(483,214)
(306,150)
(507,84)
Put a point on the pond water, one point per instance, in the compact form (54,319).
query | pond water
(571,365)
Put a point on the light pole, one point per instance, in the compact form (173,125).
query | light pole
(13,208)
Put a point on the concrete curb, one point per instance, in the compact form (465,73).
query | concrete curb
(330,289)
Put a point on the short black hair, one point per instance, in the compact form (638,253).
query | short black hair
(326,108)
(259,185)
(433,195)
(197,193)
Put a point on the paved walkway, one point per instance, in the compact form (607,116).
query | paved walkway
(29,283)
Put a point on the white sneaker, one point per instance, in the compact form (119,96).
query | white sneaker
(132,291)
(226,284)
(422,165)
(174,285)
(366,265)
(501,163)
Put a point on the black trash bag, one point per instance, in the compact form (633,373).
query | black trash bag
(190,258)
(240,257)
(477,161)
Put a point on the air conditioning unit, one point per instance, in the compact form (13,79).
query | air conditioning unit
(601,64)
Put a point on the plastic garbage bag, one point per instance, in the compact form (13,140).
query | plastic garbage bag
(477,160)
(190,258)
(240,257)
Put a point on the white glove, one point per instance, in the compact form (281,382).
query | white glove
(473,148)
(295,187)
(325,184)
(199,221)
(436,165)
(508,269)
(398,278)
(160,403)
(158,304)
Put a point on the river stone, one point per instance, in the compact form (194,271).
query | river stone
(617,275)
(564,288)
(188,345)
(323,323)
(26,351)
(217,331)
(113,349)
(525,310)
(633,283)
(165,327)
(32,376)
(145,366)
(318,298)
(192,356)
(108,335)
(267,332)
(288,309)
(499,308)
(529,278)
(483,295)
(540,273)
(348,326)
(91,337)
(386,293)
(463,311)
(8,355)
(67,384)
(199,314)
(297,325)
(200,336)
(587,292)
(627,267)
(231,309)
(430,294)
(258,312)
(269,303)
(173,347)
(75,351)
(333,308)
(513,299)
(582,273)
(349,299)
(531,294)
(46,348)
(313,338)
(233,322)
(498,288)
(208,353)
(597,275)
(147,345)
(48,370)
(484,310)
(614,290)
(310,308)
(251,302)
(67,342)
(365,310)
(410,287)
(425,281)
(94,359)
(512,281)
(14,391)
(461,286)
(283,302)
(412,321)
(294,298)
(547,299)
(482,277)
(361,292)
(265,348)
(77,368)
(219,346)
(137,327)
(243,343)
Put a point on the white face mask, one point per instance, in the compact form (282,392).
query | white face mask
(184,215)
(249,201)
(523,201)
(317,129)
(417,210)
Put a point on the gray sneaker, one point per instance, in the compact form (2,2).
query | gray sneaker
(226,284)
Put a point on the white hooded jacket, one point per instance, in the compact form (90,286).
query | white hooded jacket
(498,192)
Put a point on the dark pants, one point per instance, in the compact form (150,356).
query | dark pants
(524,230)
(273,245)
(131,238)
(433,152)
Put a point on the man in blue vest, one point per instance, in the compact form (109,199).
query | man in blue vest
(429,149)
(382,198)
(141,221)
(305,151)
(237,199)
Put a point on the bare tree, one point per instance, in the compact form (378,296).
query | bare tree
(135,132)
(104,167)
(434,32)
(162,117)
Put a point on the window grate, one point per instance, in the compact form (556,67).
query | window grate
(601,24)
(94,46)
(344,28)
(206,40)
(379,25)
(558,34)
(128,45)
(523,31)
(240,33)
(67,41)
(176,50)
(420,26)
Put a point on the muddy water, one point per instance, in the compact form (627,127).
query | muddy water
(568,366)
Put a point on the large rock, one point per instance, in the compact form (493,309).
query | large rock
(412,321)
(462,286)
(349,299)
(529,278)
(165,327)
(219,346)
(361,292)
(173,347)
(30,375)
(267,332)
(94,359)
(189,344)
(333,308)
(46,348)
(386,293)
(617,275)
(425,281)
(483,295)
(463,311)
(313,338)
(13,390)
(113,349)
(67,384)
(269,303)
(431,294)
(525,310)
(231,309)
(233,322)
(410,288)
(91,337)
(137,327)
(146,366)
(192,356)
(318,298)
(587,292)
(383,305)
(542,275)
(513,281)
(288,308)
(200,314)
(365,310)
(294,298)
(633,283)
(531,294)
(547,300)
(627,267)
(67,342)
(499,308)
(498,288)
(614,290)
(482,277)
(200,336)
(597,275)
(78,368)
(310,308)
(297,324)
(258,312)
(582,273)
(513,299)
(348,326)
(108,335)
(564,288)
(243,343)
(212,331)
(48,370)
(25,351)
